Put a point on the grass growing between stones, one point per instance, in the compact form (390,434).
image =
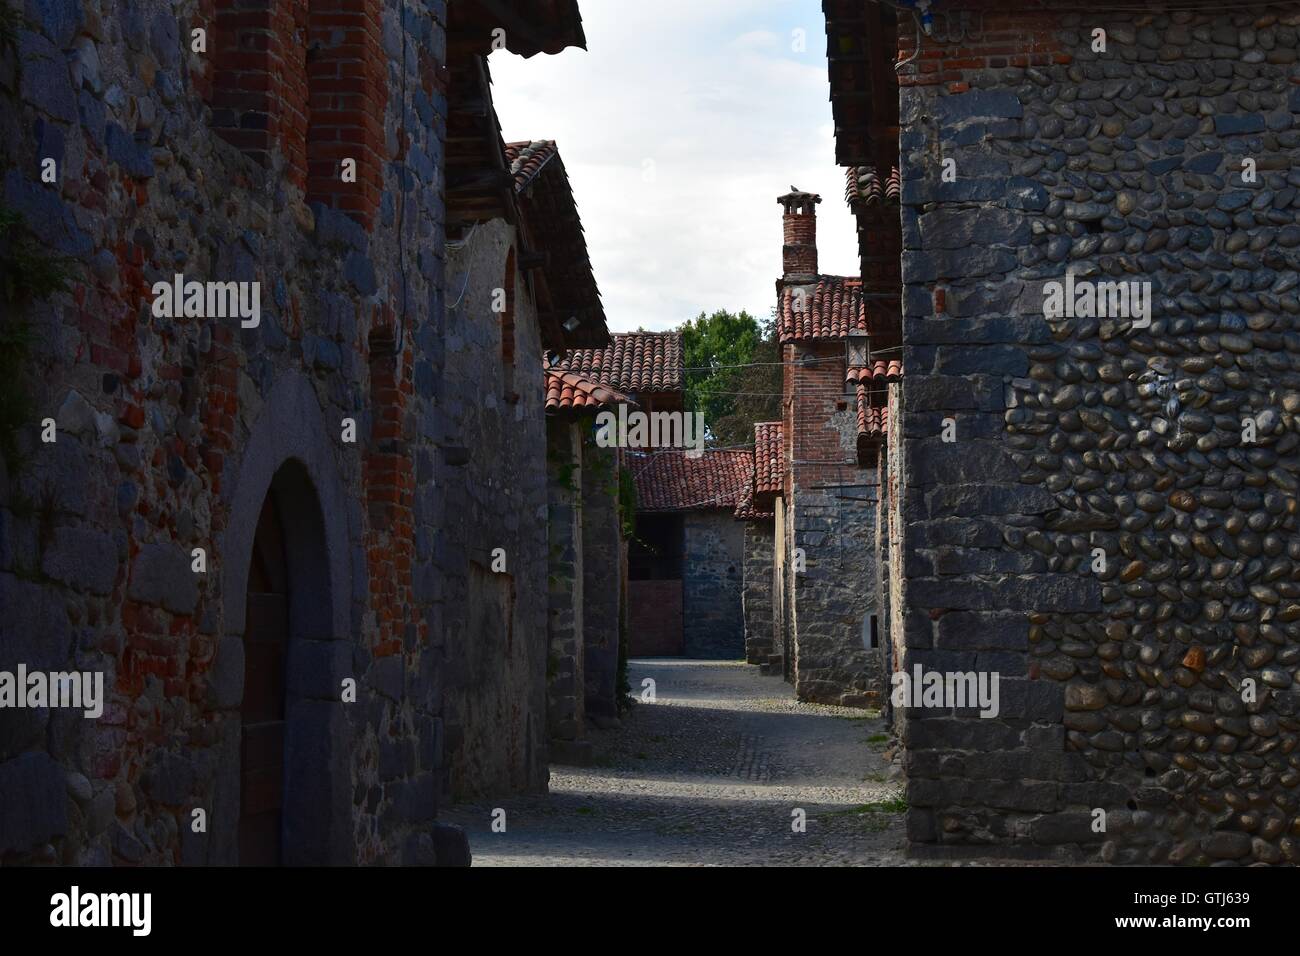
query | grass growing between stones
(861,715)
(893,804)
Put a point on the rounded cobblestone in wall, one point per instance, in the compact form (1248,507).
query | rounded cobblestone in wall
(1139,434)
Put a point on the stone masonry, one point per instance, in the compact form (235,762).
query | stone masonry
(346,415)
(603,561)
(1114,529)
(827,516)
(496,606)
(756,590)
(712,563)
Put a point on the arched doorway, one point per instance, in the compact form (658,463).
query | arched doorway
(293,771)
(262,711)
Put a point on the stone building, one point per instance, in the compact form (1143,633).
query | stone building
(262,513)
(689,555)
(826,514)
(1095,503)
(645,368)
(587,563)
(762,595)
(520,285)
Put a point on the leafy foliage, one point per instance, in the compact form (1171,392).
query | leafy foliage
(738,377)
(27,272)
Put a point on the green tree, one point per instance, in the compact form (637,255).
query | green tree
(733,373)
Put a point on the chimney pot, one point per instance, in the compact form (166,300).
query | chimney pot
(799,252)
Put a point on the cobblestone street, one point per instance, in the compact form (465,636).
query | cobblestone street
(708,773)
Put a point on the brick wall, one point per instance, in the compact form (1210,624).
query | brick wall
(257,80)
(347,91)
(303,84)
(1002,37)
(654,618)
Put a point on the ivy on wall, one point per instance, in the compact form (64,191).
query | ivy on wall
(28,273)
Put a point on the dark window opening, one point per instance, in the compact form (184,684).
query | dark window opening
(655,553)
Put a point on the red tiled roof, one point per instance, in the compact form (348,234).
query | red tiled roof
(769,464)
(527,159)
(745,509)
(831,309)
(870,381)
(566,391)
(866,186)
(667,480)
(633,362)
(545,200)
(877,374)
(873,420)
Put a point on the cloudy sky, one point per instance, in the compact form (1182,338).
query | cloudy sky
(679,127)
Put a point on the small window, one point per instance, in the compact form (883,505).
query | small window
(870,632)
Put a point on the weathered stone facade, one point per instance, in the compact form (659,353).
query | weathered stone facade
(338,461)
(834,597)
(827,514)
(566,660)
(1106,533)
(172,432)
(603,565)
(587,571)
(496,602)
(712,564)
(756,591)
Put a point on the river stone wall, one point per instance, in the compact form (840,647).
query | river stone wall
(1160,688)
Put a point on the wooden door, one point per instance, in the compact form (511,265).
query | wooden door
(266,644)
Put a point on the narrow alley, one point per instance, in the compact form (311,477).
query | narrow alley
(708,773)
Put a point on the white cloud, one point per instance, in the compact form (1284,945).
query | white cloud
(713,97)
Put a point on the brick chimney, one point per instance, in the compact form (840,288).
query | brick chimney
(799,254)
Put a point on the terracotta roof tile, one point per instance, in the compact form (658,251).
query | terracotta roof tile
(667,480)
(865,186)
(870,381)
(633,362)
(769,461)
(873,420)
(566,391)
(829,309)
(877,374)
(526,160)
(745,509)
(545,200)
